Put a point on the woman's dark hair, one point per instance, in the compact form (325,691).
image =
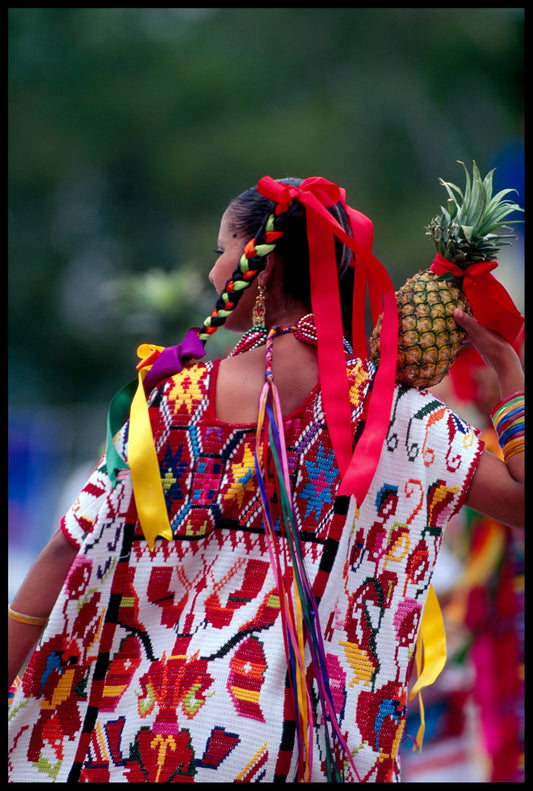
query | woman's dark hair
(250,210)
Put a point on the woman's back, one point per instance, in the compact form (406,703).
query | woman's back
(241,379)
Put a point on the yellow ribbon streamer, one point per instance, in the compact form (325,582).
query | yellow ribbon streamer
(142,458)
(430,656)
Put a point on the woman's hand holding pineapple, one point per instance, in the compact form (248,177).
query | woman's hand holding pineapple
(495,351)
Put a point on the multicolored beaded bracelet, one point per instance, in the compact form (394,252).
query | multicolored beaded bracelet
(509,423)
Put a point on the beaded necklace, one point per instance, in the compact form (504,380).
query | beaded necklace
(304,330)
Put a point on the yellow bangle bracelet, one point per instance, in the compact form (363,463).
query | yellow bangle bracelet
(513,443)
(513,446)
(514,451)
(31,620)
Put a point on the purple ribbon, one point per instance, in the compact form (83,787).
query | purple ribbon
(171,359)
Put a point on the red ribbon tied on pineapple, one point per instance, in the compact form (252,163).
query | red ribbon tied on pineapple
(491,304)
(317,194)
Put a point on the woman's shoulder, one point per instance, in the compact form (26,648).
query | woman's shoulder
(192,372)
(185,388)
(418,411)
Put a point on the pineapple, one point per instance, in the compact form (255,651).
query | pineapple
(469,230)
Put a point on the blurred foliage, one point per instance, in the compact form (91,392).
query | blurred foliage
(130,130)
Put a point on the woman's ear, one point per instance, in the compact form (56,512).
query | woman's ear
(272,264)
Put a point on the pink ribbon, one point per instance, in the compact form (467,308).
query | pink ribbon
(491,304)
(317,194)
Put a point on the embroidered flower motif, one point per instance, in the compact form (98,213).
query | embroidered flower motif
(321,474)
(242,478)
(380,718)
(174,682)
(406,621)
(56,673)
(161,758)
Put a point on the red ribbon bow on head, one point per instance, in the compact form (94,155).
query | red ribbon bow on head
(491,304)
(317,194)
(325,192)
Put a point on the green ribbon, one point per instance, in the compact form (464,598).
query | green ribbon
(117,415)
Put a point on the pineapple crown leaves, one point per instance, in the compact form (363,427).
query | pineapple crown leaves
(471,228)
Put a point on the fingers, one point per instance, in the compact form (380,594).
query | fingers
(474,329)
(465,320)
(468,323)
(483,339)
(494,349)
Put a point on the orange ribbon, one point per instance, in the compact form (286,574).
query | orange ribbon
(316,194)
(491,304)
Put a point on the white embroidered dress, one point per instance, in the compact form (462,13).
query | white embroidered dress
(169,666)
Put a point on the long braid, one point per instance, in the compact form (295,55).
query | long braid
(251,263)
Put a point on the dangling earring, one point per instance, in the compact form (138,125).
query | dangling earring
(259,311)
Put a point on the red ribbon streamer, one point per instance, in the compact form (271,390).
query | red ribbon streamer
(491,304)
(316,194)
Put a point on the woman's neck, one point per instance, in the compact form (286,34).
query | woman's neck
(286,314)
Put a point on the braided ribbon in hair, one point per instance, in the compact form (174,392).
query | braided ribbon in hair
(251,262)
(316,194)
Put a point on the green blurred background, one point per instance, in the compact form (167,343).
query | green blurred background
(130,130)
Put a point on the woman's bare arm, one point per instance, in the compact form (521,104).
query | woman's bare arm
(37,596)
(497,489)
